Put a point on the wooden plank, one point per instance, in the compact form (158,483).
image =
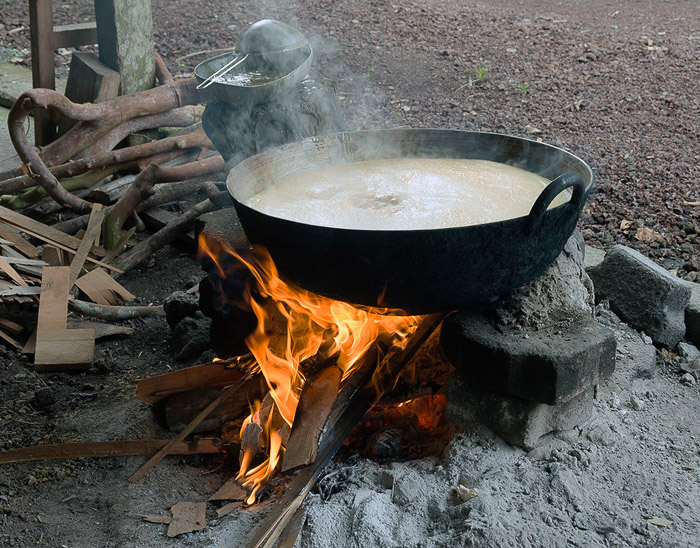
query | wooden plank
(11,327)
(231,490)
(94,223)
(25,262)
(101,288)
(21,244)
(5,337)
(210,375)
(44,232)
(65,349)
(75,34)
(53,302)
(11,272)
(92,449)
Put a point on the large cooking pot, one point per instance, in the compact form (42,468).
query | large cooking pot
(418,271)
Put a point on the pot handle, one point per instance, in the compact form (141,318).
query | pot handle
(551,191)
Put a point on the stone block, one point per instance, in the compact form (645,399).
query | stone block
(547,366)
(692,315)
(519,422)
(643,294)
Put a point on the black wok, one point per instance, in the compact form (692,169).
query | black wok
(418,271)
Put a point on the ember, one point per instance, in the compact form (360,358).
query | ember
(313,326)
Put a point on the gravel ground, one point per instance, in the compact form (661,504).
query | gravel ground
(613,82)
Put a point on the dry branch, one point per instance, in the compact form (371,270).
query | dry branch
(142,188)
(94,122)
(113,313)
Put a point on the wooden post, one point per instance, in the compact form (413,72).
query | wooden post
(45,38)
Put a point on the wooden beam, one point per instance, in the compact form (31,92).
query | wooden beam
(75,34)
(43,75)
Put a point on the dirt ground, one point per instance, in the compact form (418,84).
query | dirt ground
(613,82)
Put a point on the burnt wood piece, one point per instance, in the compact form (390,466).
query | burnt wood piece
(315,403)
(355,398)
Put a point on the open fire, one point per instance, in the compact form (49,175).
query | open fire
(294,326)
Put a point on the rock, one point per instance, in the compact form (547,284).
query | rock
(44,398)
(31,480)
(688,351)
(688,379)
(636,403)
(546,366)
(180,305)
(518,421)
(692,315)
(643,294)
(693,368)
(593,256)
(190,337)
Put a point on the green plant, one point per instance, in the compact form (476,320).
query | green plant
(479,75)
(524,88)
(370,70)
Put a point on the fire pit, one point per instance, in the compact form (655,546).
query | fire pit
(418,271)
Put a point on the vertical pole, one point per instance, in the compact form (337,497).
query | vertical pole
(43,76)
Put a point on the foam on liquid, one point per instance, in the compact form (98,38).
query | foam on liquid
(404,194)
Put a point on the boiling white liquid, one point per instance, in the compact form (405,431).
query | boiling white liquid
(404,194)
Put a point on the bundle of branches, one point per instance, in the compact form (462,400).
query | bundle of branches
(87,153)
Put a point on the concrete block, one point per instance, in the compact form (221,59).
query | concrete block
(692,315)
(643,294)
(519,422)
(547,366)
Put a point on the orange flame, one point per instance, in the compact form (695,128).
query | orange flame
(312,323)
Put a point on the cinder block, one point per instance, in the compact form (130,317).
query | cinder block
(547,366)
(643,294)
(519,422)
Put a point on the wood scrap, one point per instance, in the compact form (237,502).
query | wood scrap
(58,348)
(315,403)
(226,509)
(211,375)
(231,490)
(44,232)
(30,346)
(17,291)
(53,255)
(92,449)
(11,327)
(101,288)
(93,228)
(22,245)
(65,349)
(11,272)
(7,338)
(113,312)
(187,517)
(160,455)
(692,204)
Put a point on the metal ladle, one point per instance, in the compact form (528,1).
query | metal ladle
(264,37)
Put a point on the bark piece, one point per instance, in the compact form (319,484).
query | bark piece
(101,330)
(109,312)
